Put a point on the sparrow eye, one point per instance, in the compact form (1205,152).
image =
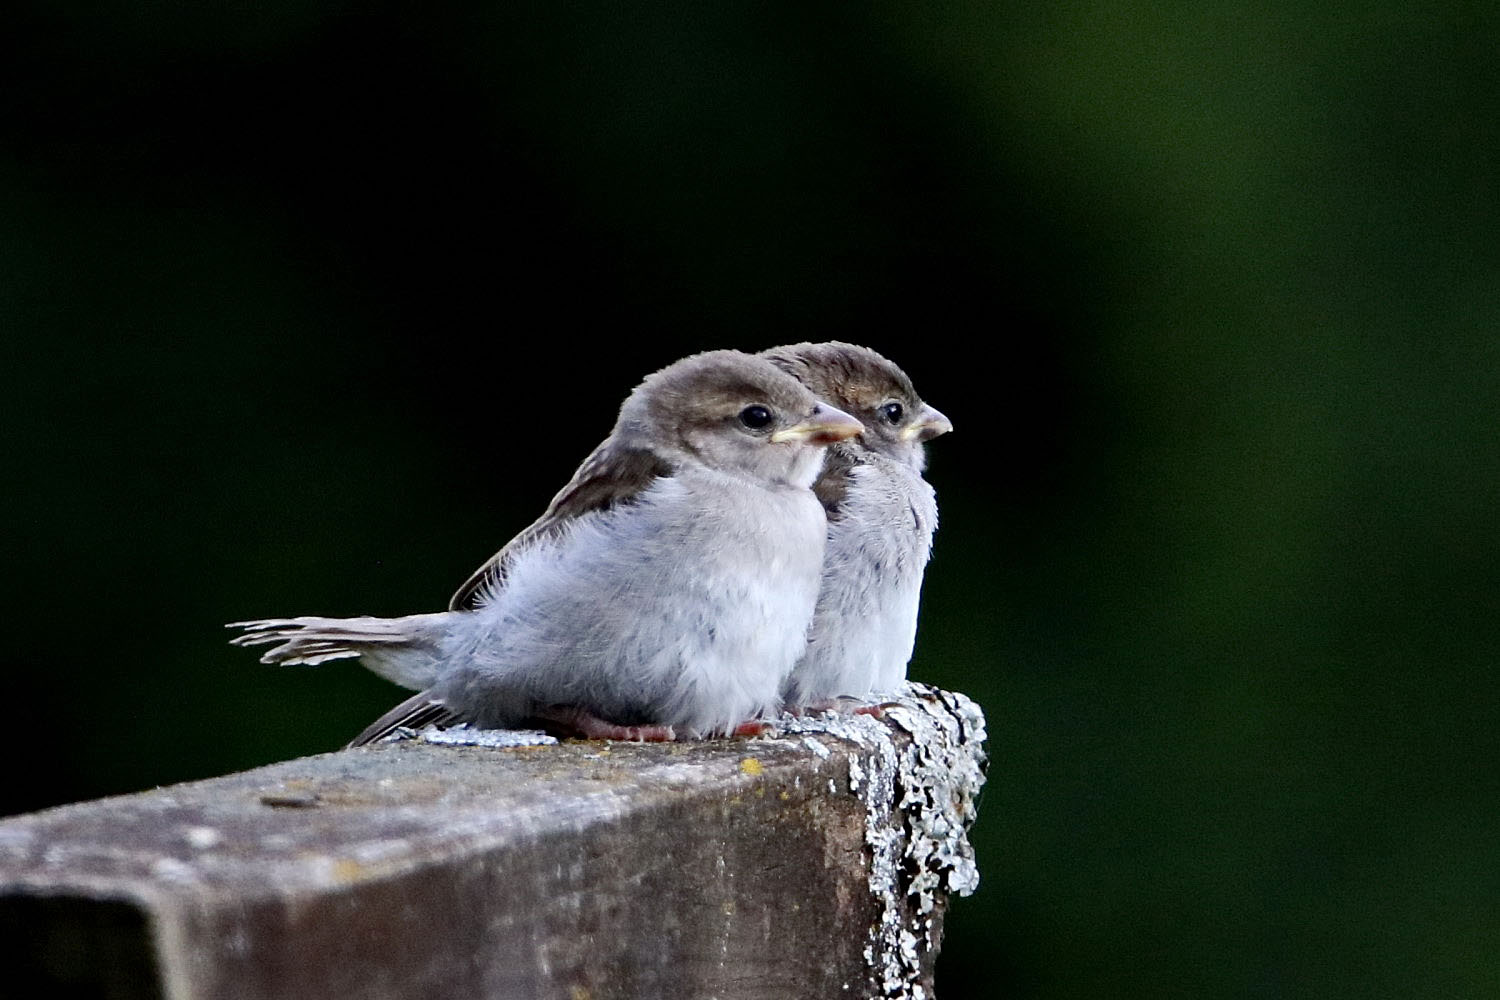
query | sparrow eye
(893,412)
(755,417)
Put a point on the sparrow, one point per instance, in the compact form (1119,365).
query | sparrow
(665,591)
(881,517)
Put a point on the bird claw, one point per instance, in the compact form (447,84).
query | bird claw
(572,722)
(567,721)
(842,705)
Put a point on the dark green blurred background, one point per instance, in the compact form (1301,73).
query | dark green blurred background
(307,308)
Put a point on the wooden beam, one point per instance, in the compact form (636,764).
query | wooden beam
(815,862)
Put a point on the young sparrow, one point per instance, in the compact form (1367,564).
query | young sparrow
(667,588)
(881,516)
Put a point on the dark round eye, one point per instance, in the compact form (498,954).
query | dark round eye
(755,417)
(893,412)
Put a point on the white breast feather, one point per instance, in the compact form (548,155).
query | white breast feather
(688,608)
(866,620)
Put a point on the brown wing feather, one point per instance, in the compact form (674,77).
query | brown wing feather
(833,482)
(612,475)
(416,712)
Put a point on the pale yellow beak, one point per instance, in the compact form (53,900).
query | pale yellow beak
(825,426)
(929,424)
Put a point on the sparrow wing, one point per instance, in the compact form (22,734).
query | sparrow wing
(416,712)
(832,486)
(611,476)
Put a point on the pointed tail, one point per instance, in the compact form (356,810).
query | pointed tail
(402,650)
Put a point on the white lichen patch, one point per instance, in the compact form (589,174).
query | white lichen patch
(817,747)
(202,837)
(463,736)
(173,870)
(919,798)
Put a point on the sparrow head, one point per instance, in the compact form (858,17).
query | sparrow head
(856,379)
(735,413)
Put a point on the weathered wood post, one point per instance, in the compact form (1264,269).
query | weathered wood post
(815,862)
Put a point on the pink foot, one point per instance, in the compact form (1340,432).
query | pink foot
(843,705)
(570,721)
(750,727)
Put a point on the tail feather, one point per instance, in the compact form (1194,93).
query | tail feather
(400,649)
(315,640)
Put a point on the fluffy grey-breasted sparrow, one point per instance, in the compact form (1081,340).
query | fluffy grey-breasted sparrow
(666,590)
(881,516)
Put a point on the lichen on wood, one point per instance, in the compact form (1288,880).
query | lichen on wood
(919,776)
(814,861)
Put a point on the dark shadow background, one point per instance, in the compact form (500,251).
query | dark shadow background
(307,308)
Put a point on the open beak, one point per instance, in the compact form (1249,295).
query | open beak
(929,424)
(825,426)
